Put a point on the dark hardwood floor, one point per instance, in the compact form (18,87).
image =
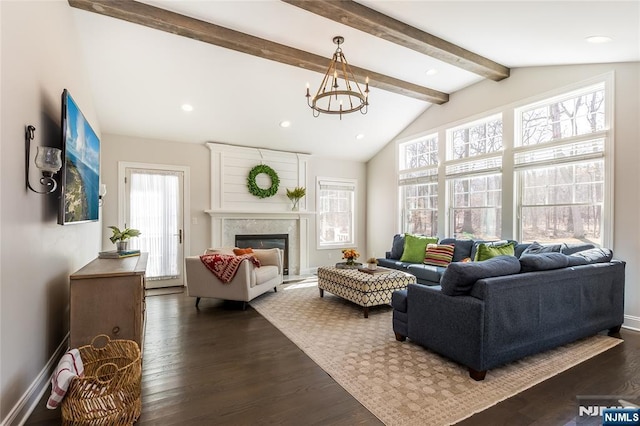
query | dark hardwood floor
(224,366)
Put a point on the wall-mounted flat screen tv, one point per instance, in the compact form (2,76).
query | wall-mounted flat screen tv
(79,201)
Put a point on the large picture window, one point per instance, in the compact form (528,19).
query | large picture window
(336,213)
(418,181)
(560,168)
(549,178)
(474,179)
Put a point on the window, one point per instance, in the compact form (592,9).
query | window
(418,182)
(549,178)
(560,167)
(474,179)
(336,213)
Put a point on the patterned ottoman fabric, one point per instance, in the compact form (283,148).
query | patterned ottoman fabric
(362,288)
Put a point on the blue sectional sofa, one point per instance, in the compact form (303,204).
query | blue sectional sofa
(485,314)
(431,275)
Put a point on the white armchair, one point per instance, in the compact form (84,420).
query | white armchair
(248,283)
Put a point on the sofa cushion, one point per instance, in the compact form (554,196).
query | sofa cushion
(439,254)
(543,261)
(399,300)
(462,248)
(459,277)
(265,273)
(426,272)
(393,264)
(486,251)
(415,247)
(398,246)
(536,248)
(595,255)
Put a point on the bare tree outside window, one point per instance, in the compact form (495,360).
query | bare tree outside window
(563,198)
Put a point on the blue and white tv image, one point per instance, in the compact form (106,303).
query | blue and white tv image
(81,166)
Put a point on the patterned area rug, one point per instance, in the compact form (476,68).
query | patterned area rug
(402,383)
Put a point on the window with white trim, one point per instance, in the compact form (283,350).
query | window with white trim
(559,163)
(418,183)
(336,212)
(473,173)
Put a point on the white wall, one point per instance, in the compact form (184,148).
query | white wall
(345,169)
(195,156)
(40,57)
(522,84)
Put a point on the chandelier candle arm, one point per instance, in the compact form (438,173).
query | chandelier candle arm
(356,99)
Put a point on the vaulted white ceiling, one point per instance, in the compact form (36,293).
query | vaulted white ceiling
(140,77)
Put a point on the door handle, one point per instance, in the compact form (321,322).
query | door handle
(180,236)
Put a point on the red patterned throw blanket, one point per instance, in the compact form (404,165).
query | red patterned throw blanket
(225,266)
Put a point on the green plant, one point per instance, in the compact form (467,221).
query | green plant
(123,235)
(372,260)
(296,193)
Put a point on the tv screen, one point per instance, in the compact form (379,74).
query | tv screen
(79,201)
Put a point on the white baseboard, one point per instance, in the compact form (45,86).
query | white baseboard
(631,322)
(29,400)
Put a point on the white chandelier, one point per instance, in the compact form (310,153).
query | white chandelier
(331,97)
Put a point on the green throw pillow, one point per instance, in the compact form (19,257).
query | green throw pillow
(487,251)
(415,247)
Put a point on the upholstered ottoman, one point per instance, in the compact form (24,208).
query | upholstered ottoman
(363,288)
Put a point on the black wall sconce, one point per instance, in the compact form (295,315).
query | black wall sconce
(48,160)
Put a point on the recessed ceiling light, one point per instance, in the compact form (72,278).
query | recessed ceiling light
(359,136)
(598,39)
(432,71)
(187,107)
(285,123)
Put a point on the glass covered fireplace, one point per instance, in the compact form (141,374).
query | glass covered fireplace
(264,241)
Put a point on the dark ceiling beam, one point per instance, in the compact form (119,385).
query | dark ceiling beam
(355,15)
(175,23)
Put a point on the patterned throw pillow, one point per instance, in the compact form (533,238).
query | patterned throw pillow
(439,254)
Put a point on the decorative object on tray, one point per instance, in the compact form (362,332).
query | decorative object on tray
(253,187)
(115,254)
(120,238)
(295,195)
(350,255)
(345,265)
(372,263)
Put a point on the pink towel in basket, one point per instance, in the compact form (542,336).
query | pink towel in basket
(69,367)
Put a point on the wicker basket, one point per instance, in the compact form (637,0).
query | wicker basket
(109,392)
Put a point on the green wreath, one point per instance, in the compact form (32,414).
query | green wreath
(253,186)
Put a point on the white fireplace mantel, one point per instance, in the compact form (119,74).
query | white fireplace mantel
(219,216)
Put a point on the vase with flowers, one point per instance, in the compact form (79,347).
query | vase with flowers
(295,195)
(350,255)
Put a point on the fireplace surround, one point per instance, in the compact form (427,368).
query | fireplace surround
(266,241)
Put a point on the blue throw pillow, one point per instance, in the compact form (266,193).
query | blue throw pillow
(537,248)
(543,261)
(398,246)
(595,255)
(459,277)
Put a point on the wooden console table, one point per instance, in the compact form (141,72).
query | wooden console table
(107,297)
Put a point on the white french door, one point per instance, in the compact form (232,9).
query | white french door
(154,203)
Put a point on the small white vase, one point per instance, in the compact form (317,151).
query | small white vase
(372,266)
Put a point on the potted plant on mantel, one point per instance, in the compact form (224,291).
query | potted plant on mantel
(295,195)
(120,238)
